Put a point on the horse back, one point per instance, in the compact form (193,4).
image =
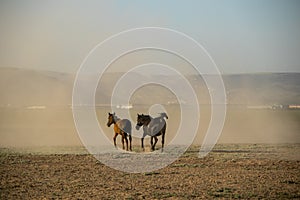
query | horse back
(156,126)
(124,125)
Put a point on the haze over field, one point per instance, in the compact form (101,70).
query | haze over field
(35,107)
(254,44)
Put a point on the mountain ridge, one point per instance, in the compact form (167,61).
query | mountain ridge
(41,87)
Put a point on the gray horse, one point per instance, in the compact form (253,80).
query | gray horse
(153,127)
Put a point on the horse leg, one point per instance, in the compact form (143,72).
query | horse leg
(163,132)
(126,140)
(130,139)
(151,142)
(123,141)
(162,141)
(142,141)
(155,138)
(115,137)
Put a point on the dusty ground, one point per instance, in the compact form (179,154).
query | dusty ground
(230,171)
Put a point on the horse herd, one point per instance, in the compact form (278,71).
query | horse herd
(152,127)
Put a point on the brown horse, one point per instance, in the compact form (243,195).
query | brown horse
(122,127)
(153,127)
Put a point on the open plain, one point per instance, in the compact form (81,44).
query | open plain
(230,171)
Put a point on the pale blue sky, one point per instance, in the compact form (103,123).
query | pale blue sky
(241,36)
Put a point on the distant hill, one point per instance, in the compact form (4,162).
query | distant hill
(269,88)
(22,87)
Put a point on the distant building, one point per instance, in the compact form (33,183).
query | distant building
(294,106)
(124,106)
(285,107)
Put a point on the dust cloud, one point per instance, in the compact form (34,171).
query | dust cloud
(36,111)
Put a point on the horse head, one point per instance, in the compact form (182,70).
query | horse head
(142,120)
(111,119)
(139,121)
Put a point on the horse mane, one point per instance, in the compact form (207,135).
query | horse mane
(148,116)
(116,118)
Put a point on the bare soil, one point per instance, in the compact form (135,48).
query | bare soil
(230,171)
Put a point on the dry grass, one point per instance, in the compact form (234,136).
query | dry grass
(230,171)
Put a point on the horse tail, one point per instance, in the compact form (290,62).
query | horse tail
(164,115)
